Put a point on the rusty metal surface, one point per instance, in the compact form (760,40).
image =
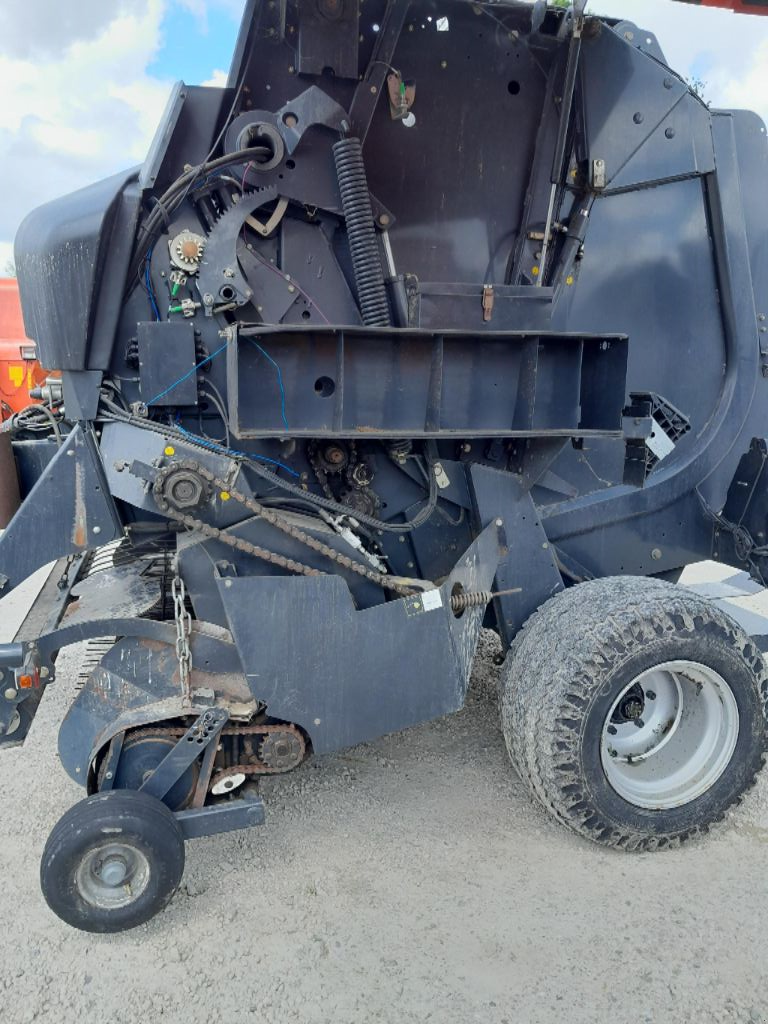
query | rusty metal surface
(10,499)
(137,684)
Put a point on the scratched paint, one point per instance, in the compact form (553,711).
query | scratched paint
(80,524)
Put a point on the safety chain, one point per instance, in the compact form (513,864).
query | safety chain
(183,628)
(394,584)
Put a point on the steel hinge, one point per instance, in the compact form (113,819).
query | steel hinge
(488,300)
(598,174)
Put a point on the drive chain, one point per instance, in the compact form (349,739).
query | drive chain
(295,532)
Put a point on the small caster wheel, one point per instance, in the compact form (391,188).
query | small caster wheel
(112,861)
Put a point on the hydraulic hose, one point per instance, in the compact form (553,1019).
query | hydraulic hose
(363,244)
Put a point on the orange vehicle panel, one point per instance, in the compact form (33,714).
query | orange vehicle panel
(19,370)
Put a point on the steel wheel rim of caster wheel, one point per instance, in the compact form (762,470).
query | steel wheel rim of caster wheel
(113,876)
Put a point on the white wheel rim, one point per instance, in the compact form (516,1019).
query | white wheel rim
(112,876)
(670,735)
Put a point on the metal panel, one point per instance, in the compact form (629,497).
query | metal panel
(69,510)
(166,361)
(346,676)
(423,384)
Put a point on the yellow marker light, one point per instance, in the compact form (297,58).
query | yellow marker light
(569,279)
(225,495)
(170,451)
(535,271)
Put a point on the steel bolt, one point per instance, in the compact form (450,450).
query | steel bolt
(10,693)
(656,554)
(650,695)
(499,522)
(97,529)
(670,133)
(612,730)
(639,117)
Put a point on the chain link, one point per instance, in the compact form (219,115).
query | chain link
(183,629)
(395,584)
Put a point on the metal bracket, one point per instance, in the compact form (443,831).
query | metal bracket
(195,741)
(372,84)
(221,817)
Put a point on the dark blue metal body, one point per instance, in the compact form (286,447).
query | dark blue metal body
(561,224)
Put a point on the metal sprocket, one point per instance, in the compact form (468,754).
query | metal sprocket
(220,279)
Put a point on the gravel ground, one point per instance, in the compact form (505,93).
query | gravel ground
(407,880)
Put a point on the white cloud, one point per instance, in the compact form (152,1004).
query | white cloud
(81,114)
(78,102)
(6,256)
(218,79)
(727,51)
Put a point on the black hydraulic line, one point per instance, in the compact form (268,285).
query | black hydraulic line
(363,244)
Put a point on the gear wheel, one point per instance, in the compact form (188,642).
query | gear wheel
(180,487)
(220,279)
(186,251)
(331,458)
(281,751)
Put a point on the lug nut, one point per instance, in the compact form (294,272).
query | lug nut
(650,695)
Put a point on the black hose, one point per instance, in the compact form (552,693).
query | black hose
(363,244)
(333,506)
(317,500)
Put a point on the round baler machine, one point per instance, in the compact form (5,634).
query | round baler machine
(438,316)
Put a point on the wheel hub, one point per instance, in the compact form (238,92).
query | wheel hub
(669,735)
(112,875)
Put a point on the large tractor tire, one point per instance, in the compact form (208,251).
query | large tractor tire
(635,711)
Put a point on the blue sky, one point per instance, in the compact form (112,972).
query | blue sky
(193,48)
(84,84)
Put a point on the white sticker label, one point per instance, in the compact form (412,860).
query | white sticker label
(659,443)
(431,599)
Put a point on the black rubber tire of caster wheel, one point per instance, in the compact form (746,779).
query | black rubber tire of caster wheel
(574,680)
(112,861)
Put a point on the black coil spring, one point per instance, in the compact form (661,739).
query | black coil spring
(366,261)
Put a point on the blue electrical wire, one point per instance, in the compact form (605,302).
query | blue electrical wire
(268,357)
(148,283)
(203,362)
(220,449)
